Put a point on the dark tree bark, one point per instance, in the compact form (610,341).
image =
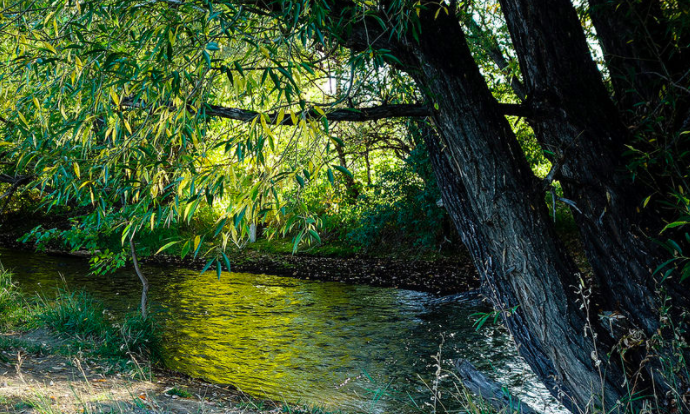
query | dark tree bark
(583,128)
(498,206)
(496,54)
(638,48)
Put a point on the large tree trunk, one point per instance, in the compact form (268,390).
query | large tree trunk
(578,121)
(498,206)
(646,58)
(638,48)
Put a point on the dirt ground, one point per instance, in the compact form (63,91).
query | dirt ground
(35,377)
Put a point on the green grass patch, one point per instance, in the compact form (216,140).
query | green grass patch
(78,316)
(180,392)
(15,311)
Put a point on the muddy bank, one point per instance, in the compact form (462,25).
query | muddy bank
(441,277)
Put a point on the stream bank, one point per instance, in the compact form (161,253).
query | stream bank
(439,276)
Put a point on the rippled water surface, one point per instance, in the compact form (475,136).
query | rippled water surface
(349,347)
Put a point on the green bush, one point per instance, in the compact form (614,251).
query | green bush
(400,209)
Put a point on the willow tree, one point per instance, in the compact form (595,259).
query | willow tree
(113,105)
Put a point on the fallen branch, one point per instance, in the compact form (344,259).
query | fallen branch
(489,390)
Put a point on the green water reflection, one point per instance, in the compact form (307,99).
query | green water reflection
(330,344)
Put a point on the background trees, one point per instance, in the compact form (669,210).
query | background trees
(116,106)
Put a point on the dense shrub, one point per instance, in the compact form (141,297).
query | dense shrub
(401,209)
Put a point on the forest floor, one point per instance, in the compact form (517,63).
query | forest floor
(38,376)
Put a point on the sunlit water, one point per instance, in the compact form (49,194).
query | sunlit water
(342,347)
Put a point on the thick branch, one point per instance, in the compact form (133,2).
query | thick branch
(17,180)
(494,51)
(353,114)
(346,114)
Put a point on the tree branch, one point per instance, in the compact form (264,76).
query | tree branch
(373,113)
(345,114)
(353,114)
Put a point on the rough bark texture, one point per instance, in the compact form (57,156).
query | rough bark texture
(497,205)
(584,130)
(638,49)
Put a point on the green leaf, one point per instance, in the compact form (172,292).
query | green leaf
(212,46)
(331,178)
(185,249)
(338,141)
(220,226)
(686,272)
(208,265)
(228,73)
(675,224)
(227,261)
(295,245)
(166,246)
(675,246)
(663,265)
(315,235)
(238,68)
(300,180)
(343,170)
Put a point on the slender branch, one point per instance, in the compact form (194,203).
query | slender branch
(142,278)
(17,180)
(5,120)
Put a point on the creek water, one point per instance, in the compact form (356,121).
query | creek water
(344,347)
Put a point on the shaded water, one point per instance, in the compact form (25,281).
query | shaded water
(349,347)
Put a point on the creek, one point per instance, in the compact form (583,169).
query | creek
(344,347)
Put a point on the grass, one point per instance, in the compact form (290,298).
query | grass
(79,317)
(16,312)
(81,320)
(179,392)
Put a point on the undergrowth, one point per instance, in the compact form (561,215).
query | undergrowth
(78,315)
(16,312)
(79,319)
